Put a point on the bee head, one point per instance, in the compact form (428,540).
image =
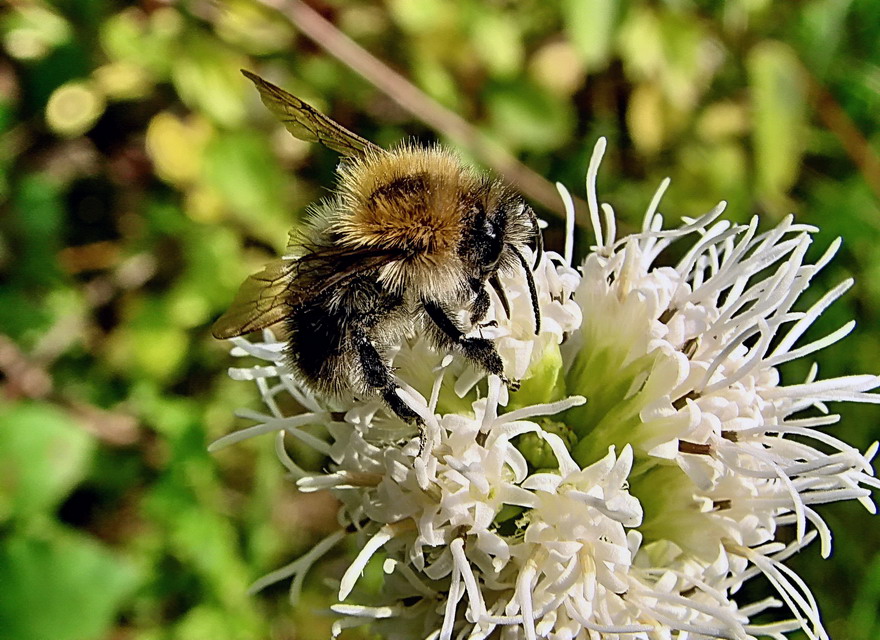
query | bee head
(498,226)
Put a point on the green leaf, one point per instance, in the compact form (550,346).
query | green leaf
(38,214)
(526,117)
(436,79)
(69,588)
(32,31)
(778,106)
(241,168)
(640,39)
(43,455)
(825,23)
(207,78)
(149,344)
(198,536)
(498,42)
(590,25)
(422,16)
(149,43)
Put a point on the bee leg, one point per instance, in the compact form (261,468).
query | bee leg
(481,302)
(401,409)
(377,375)
(480,306)
(479,350)
(423,440)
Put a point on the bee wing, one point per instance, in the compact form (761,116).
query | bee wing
(305,123)
(268,296)
(261,301)
(328,267)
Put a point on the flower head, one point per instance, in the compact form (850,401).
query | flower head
(636,479)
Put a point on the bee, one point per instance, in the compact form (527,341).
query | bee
(410,237)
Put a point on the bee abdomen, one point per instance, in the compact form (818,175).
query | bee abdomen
(320,334)
(316,337)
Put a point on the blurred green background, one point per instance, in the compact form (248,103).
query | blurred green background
(141,180)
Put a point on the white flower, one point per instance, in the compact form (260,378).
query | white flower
(633,483)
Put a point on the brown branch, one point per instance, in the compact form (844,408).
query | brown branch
(419,104)
(25,378)
(841,125)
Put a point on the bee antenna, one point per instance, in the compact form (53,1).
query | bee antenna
(539,239)
(533,292)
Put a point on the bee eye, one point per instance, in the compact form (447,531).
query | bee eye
(490,244)
(483,245)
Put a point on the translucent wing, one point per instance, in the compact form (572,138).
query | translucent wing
(329,267)
(268,296)
(305,123)
(261,301)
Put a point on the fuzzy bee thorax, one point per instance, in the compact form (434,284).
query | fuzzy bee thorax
(412,199)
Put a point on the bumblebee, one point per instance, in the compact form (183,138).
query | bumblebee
(410,237)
